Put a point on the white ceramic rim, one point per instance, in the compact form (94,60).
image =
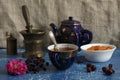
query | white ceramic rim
(75,47)
(85,47)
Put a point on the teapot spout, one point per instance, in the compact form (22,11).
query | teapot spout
(53,27)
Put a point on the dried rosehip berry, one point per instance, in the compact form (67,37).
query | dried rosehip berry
(35,64)
(36,70)
(89,69)
(38,58)
(93,68)
(30,67)
(112,70)
(79,61)
(110,66)
(89,65)
(44,69)
(47,63)
(41,65)
(43,60)
(104,69)
(28,61)
(109,72)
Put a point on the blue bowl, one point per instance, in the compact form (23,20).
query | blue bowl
(64,57)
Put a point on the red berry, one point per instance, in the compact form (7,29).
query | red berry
(79,61)
(110,66)
(104,69)
(89,65)
(93,68)
(89,69)
(112,70)
(109,72)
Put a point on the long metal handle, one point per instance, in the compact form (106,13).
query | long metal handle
(26,16)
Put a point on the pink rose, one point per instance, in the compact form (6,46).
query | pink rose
(16,67)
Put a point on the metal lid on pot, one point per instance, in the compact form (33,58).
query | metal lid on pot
(70,21)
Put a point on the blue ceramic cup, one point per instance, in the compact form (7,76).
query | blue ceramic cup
(64,57)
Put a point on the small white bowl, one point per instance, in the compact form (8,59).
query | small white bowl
(98,55)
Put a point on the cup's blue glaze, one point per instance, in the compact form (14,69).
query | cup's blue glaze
(60,62)
(60,59)
(71,31)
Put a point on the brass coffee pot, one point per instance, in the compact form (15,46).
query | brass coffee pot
(33,38)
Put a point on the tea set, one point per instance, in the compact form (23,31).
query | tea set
(69,35)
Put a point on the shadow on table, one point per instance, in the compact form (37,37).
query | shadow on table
(3,54)
(3,72)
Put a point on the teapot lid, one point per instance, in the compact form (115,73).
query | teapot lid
(70,21)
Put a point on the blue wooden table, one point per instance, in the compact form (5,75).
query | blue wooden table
(75,72)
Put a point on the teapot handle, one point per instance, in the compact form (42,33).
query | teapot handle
(86,36)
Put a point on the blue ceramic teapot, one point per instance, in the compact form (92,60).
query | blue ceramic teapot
(71,31)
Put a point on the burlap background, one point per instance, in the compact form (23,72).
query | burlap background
(102,17)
